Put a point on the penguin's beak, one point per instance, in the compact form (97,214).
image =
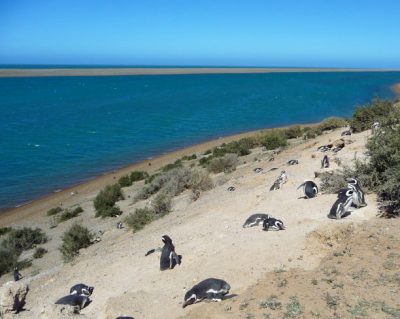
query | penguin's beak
(185,304)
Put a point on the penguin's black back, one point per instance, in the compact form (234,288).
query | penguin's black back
(72,300)
(211,283)
(78,289)
(310,189)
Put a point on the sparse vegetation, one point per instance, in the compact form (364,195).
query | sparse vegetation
(332,123)
(293,309)
(274,139)
(162,203)
(293,131)
(140,218)
(136,176)
(39,252)
(106,199)
(22,239)
(5,230)
(68,214)
(271,303)
(76,238)
(225,164)
(125,181)
(54,211)
(189,158)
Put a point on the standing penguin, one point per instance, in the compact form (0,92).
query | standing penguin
(282,179)
(255,220)
(358,194)
(169,259)
(211,288)
(341,207)
(81,289)
(273,223)
(310,189)
(325,162)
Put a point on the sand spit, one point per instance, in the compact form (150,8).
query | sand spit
(165,71)
(207,232)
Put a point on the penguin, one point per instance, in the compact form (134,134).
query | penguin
(211,288)
(325,162)
(81,289)
(124,317)
(282,179)
(273,223)
(169,259)
(77,301)
(255,220)
(358,195)
(324,148)
(276,185)
(273,169)
(341,206)
(293,162)
(231,189)
(344,133)
(257,170)
(310,189)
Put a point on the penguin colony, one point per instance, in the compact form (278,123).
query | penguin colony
(215,289)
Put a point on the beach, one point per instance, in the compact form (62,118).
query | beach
(207,232)
(37,72)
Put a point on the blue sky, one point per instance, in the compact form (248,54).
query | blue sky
(337,33)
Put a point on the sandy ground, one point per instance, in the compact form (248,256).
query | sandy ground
(208,233)
(166,71)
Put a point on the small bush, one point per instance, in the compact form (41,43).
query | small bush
(76,238)
(225,164)
(332,182)
(54,211)
(39,252)
(204,161)
(293,131)
(125,181)
(364,116)
(68,214)
(150,178)
(189,158)
(5,230)
(274,139)
(140,218)
(311,132)
(136,176)
(26,238)
(168,167)
(200,181)
(8,260)
(162,204)
(106,199)
(332,123)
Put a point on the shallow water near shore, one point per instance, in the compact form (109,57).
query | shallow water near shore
(58,131)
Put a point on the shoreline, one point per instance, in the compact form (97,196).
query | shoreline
(396,88)
(43,203)
(11,73)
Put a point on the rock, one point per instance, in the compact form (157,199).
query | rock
(339,143)
(12,297)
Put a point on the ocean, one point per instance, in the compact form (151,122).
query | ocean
(59,131)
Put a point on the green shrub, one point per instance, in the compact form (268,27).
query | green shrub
(125,181)
(39,252)
(162,203)
(311,132)
(225,164)
(168,167)
(332,123)
(200,181)
(136,176)
(76,238)
(26,238)
(5,230)
(274,139)
(204,161)
(189,158)
(22,264)
(150,178)
(140,218)
(106,199)
(332,182)
(54,211)
(241,147)
(293,131)
(68,214)
(8,260)
(364,116)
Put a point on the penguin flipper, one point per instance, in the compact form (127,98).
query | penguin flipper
(301,185)
(150,252)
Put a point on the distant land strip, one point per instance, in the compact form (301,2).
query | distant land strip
(165,71)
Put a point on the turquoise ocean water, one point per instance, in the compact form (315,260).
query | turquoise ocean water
(58,131)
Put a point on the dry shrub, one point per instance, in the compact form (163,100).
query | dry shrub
(225,164)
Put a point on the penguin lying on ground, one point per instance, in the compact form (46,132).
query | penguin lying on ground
(293,162)
(282,179)
(344,133)
(77,301)
(342,205)
(211,288)
(231,189)
(255,220)
(358,194)
(325,162)
(310,189)
(273,223)
(257,170)
(81,289)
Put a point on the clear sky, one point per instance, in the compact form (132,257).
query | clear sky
(318,33)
